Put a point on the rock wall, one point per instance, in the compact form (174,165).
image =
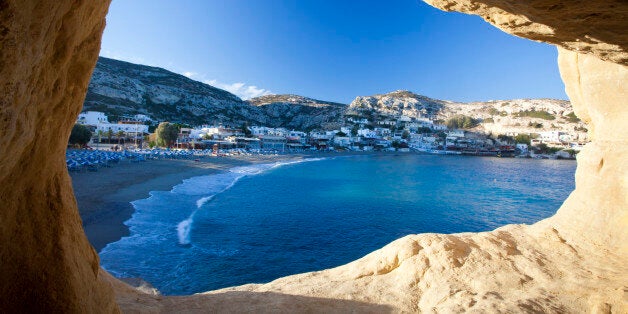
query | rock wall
(588,27)
(572,262)
(48,50)
(575,261)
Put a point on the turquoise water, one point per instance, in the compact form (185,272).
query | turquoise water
(257,223)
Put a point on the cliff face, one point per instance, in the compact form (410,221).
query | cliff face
(298,112)
(49,49)
(119,88)
(574,261)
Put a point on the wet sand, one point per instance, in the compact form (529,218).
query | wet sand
(104,196)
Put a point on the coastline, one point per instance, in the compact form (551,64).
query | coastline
(104,197)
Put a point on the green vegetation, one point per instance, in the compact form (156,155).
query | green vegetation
(544,149)
(354,130)
(423,130)
(405,135)
(245,129)
(80,135)
(523,139)
(341,134)
(572,118)
(535,125)
(535,114)
(166,134)
(461,122)
(505,138)
(488,120)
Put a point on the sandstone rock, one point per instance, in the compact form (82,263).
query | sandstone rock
(49,49)
(588,27)
(575,261)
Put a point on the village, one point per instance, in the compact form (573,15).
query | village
(397,133)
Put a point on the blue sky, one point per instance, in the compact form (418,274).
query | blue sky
(331,49)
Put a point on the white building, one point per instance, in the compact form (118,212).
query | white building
(128,128)
(142,117)
(367,133)
(522,147)
(439,127)
(342,141)
(92,118)
(455,133)
(101,122)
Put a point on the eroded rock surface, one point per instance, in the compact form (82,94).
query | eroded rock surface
(573,262)
(47,52)
(588,27)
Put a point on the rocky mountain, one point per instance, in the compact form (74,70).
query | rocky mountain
(298,112)
(497,117)
(396,103)
(121,88)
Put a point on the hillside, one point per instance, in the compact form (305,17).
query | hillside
(497,117)
(121,88)
(298,112)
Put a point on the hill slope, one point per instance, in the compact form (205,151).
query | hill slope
(122,88)
(298,112)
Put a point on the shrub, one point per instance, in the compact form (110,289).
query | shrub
(461,122)
(80,135)
(572,117)
(535,114)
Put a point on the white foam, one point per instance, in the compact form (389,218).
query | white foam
(216,184)
(201,201)
(183,230)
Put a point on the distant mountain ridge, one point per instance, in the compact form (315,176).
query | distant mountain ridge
(121,88)
(298,112)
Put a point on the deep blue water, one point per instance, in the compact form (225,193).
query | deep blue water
(258,223)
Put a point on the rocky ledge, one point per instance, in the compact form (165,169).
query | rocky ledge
(575,261)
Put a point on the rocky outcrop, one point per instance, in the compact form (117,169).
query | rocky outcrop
(49,49)
(121,88)
(572,262)
(298,112)
(588,27)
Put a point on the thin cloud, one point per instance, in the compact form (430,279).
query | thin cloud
(240,89)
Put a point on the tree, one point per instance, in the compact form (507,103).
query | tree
(523,139)
(505,138)
(341,134)
(166,134)
(120,134)
(245,129)
(80,135)
(354,130)
(461,122)
(405,135)
(109,135)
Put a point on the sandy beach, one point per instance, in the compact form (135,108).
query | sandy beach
(104,196)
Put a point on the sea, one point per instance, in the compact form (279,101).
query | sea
(256,223)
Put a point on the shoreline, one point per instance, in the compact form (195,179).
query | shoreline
(104,197)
